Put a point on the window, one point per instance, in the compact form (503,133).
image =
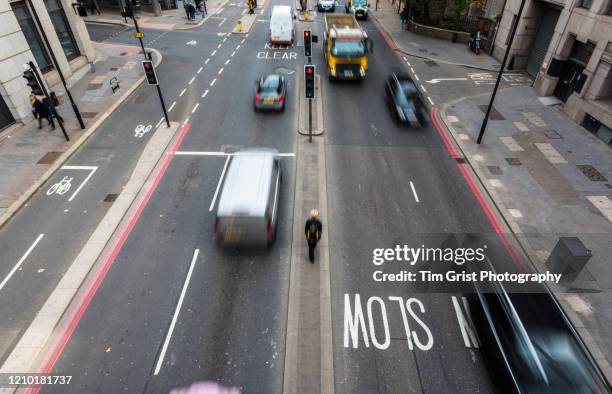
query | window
(26,23)
(60,24)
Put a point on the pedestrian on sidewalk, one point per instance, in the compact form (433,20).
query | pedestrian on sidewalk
(313,230)
(250,6)
(202,9)
(40,110)
(191,10)
(254,3)
(404,17)
(186,7)
(204,5)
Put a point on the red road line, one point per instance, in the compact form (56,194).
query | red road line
(75,317)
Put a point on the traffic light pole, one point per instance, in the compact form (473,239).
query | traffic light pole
(57,68)
(49,100)
(309,120)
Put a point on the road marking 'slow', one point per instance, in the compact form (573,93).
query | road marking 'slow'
(191,80)
(205,93)
(176,313)
(212,203)
(213,82)
(195,107)
(182,93)
(21,260)
(416,198)
(172,106)
(199,70)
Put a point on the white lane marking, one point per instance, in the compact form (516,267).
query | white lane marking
(212,203)
(416,198)
(182,93)
(211,153)
(220,70)
(227,61)
(21,260)
(162,354)
(220,10)
(408,63)
(91,170)
(213,53)
(195,107)
(412,69)
(430,100)
(416,77)
(237,46)
(219,46)
(247,35)
(207,60)
(222,21)
(244,12)
(225,39)
(465,323)
(205,93)
(233,53)
(438,80)
(242,42)
(191,80)
(172,106)
(158,123)
(213,82)
(423,88)
(199,70)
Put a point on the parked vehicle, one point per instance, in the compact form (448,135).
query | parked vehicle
(282,29)
(345,45)
(271,93)
(475,42)
(359,8)
(326,5)
(247,210)
(404,100)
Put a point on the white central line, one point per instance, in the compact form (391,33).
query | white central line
(238,47)
(205,93)
(242,42)
(213,82)
(212,203)
(176,313)
(423,88)
(412,69)
(195,107)
(213,53)
(227,61)
(199,70)
(220,70)
(207,60)
(244,12)
(21,260)
(219,46)
(416,198)
(416,77)
(408,63)
(158,123)
(430,100)
(191,80)
(171,106)
(182,93)
(222,22)
(225,39)
(233,53)
(247,35)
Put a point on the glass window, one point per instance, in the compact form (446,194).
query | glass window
(60,23)
(26,23)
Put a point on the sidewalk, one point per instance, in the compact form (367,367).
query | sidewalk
(422,46)
(548,176)
(28,154)
(169,20)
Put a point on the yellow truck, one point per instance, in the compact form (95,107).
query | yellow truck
(346,46)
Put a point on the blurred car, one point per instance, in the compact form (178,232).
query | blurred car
(271,93)
(404,100)
(326,5)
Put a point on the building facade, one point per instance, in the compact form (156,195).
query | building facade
(566,45)
(23,24)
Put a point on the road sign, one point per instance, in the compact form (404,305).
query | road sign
(138,34)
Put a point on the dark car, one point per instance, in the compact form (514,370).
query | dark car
(404,100)
(271,93)
(531,345)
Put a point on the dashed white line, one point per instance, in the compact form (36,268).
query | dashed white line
(159,122)
(195,107)
(219,46)
(191,80)
(233,53)
(207,60)
(243,40)
(412,69)
(213,53)
(205,93)
(408,63)
(220,70)
(225,39)
(247,35)
(171,106)
(416,77)
(423,88)
(416,198)
(199,70)
(21,260)
(238,47)
(244,12)
(227,62)
(182,93)
(213,82)
(212,203)
(222,21)
(176,313)
(430,100)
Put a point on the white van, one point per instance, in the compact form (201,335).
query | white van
(282,30)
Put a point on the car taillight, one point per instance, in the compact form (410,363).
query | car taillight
(270,232)
(217,228)
(256,98)
(280,98)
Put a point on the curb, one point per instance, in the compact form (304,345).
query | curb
(110,23)
(25,196)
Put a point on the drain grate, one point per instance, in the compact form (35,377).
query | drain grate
(88,114)
(552,134)
(513,161)
(49,157)
(493,115)
(591,172)
(495,170)
(431,63)
(111,197)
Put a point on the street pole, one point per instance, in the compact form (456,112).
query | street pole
(57,67)
(501,71)
(309,120)
(131,11)
(49,100)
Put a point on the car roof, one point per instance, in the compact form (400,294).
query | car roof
(247,183)
(281,10)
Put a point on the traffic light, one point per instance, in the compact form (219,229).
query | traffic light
(307,43)
(33,82)
(309,81)
(149,70)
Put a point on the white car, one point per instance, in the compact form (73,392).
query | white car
(326,5)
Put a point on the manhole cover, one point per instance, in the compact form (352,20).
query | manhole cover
(513,161)
(431,63)
(493,115)
(495,170)
(49,157)
(111,197)
(592,173)
(552,134)
(88,114)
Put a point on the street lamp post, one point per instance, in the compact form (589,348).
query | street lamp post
(501,71)
(56,65)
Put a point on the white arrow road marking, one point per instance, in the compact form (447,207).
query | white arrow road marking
(192,42)
(21,260)
(436,80)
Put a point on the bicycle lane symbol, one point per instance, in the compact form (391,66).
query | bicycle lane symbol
(141,130)
(65,184)
(60,187)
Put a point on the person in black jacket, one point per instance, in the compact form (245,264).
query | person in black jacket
(313,230)
(41,110)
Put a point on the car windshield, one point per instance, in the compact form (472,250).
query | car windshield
(408,88)
(348,49)
(359,3)
(270,84)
